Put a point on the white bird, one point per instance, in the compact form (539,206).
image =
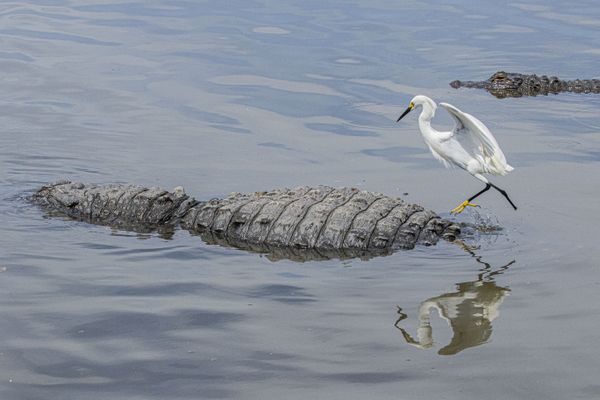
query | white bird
(470,146)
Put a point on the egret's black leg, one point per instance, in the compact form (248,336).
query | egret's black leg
(487,187)
(467,203)
(504,194)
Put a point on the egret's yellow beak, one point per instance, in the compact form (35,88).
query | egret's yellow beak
(410,107)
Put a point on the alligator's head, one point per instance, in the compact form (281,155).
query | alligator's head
(505,81)
(500,81)
(508,84)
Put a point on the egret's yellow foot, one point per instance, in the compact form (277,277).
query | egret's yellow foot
(461,207)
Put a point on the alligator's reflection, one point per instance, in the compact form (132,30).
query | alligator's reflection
(469,311)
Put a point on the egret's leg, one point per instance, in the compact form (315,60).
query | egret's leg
(467,203)
(504,194)
(485,189)
(460,208)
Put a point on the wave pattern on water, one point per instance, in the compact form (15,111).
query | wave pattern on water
(249,95)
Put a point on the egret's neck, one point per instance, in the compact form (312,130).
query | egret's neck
(425,118)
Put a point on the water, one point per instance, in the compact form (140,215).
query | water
(245,96)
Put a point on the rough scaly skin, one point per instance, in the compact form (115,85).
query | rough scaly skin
(508,84)
(302,223)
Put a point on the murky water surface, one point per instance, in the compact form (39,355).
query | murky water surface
(229,96)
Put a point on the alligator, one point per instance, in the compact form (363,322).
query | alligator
(304,223)
(508,84)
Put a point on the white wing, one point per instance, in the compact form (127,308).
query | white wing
(478,141)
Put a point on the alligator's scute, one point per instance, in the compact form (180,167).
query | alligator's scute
(130,207)
(302,223)
(509,84)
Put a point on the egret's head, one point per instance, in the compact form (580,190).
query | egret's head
(417,101)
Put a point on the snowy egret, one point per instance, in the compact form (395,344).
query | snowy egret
(470,146)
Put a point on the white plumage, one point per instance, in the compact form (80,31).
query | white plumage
(479,142)
(470,145)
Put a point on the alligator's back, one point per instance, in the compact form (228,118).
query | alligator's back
(322,219)
(510,84)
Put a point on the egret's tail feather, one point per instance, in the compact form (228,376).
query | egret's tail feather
(497,164)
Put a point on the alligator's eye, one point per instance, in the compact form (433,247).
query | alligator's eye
(499,76)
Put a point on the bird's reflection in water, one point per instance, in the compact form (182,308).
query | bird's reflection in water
(469,311)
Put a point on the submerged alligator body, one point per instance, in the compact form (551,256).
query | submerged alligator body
(302,223)
(508,84)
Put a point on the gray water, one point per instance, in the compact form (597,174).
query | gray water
(229,96)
